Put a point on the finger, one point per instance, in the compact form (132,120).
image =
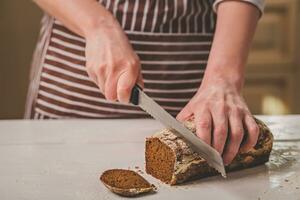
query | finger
(140,81)
(125,84)
(101,83)
(185,113)
(111,87)
(93,77)
(203,125)
(253,132)
(97,75)
(235,137)
(220,129)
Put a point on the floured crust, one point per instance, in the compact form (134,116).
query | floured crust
(189,165)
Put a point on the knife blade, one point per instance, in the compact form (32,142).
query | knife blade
(213,158)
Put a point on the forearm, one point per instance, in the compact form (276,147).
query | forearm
(236,23)
(80,16)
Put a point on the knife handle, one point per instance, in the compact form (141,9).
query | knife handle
(134,98)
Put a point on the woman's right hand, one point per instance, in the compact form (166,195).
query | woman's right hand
(111,61)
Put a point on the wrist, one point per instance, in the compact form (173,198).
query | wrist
(219,75)
(99,24)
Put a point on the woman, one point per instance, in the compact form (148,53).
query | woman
(92,53)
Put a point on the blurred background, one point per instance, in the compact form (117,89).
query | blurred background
(273,72)
(19,28)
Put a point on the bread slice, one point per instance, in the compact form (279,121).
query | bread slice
(171,160)
(126,182)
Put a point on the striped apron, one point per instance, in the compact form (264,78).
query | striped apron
(171,37)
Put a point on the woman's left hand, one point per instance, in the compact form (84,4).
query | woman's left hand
(221,115)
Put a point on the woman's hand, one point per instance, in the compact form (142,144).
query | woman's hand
(219,107)
(111,62)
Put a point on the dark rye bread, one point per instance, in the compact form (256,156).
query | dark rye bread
(171,160)
(126,182)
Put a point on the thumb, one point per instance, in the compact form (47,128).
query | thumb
(185,113)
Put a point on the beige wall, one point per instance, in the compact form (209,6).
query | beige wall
(19,26)
(272,78)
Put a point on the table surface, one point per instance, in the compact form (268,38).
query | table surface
(63,160)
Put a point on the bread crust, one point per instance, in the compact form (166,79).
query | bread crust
(184,164)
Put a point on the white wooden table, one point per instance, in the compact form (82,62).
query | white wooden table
(62,160)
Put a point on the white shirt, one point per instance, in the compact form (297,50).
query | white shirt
(260,4)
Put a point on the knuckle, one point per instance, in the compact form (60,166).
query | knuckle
(220,130)
(118,60)
(135,61)
(237,135)
(237,111)
(113,69)
(246,110)
(254,129)
(130,73)
(242,109)
(204,124)
(132,62)
(101,69)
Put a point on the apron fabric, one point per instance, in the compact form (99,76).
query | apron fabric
(171,37)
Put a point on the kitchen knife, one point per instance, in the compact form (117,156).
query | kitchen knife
(213,158)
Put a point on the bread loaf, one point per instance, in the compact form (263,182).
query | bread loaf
(171,160)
